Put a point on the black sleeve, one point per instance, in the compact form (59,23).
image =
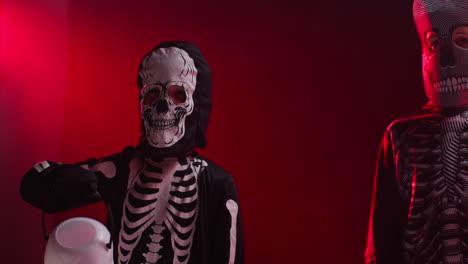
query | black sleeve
(59,187)
(229,245)
(387,220)
(219,238)
(55,187)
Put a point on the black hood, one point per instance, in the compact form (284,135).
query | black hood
(196,123)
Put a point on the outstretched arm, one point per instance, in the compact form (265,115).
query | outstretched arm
(55,187)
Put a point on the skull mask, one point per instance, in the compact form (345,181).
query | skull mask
(443,30)
(168,77)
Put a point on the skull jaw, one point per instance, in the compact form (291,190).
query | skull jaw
(164,138)
(453,99)
(438,89)
(450,98)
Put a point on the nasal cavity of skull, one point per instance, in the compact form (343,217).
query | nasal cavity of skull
(162,106)
(447,58)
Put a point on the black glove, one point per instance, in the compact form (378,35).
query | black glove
(59,187)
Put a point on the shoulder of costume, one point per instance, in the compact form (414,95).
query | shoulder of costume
(429,113)
(127,154)
(212,171)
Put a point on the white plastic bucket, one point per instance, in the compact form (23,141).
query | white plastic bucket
(79,240)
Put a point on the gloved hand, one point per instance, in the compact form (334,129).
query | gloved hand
(54,187)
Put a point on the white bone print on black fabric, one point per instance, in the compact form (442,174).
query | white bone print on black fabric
(107,168)
(163,195)
(233,209)
(451,201)
(430,151)
(438,144)
(41,166)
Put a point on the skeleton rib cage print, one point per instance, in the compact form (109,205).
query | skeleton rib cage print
(165,210)
(161,196)
(169,211)
(420,207)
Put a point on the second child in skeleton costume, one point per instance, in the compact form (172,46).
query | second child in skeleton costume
(420,204)
(170,205)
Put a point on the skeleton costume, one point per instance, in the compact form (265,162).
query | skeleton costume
(170,205)
(420,203)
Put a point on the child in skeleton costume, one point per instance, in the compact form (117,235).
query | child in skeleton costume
(420,203)
(170,205)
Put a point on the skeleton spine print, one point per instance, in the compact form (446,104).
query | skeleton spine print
(163,209)
(162,195)
(420,212)
(436,191)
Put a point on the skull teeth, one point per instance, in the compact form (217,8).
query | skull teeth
(451,84)
(162,124)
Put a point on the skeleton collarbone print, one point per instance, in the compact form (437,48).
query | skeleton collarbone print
(160,210)
(164,210)
(174,210)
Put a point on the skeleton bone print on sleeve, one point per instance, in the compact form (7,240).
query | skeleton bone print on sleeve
(163,195)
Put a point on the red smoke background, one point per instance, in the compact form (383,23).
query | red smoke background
(302,94)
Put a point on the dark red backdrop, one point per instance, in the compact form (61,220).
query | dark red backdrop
(302,94)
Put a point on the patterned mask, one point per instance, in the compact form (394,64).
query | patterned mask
(443,30)
(169,79)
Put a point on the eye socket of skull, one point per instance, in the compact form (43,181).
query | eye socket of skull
(460,36)
(153,92)
(177,93)
(432,41)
